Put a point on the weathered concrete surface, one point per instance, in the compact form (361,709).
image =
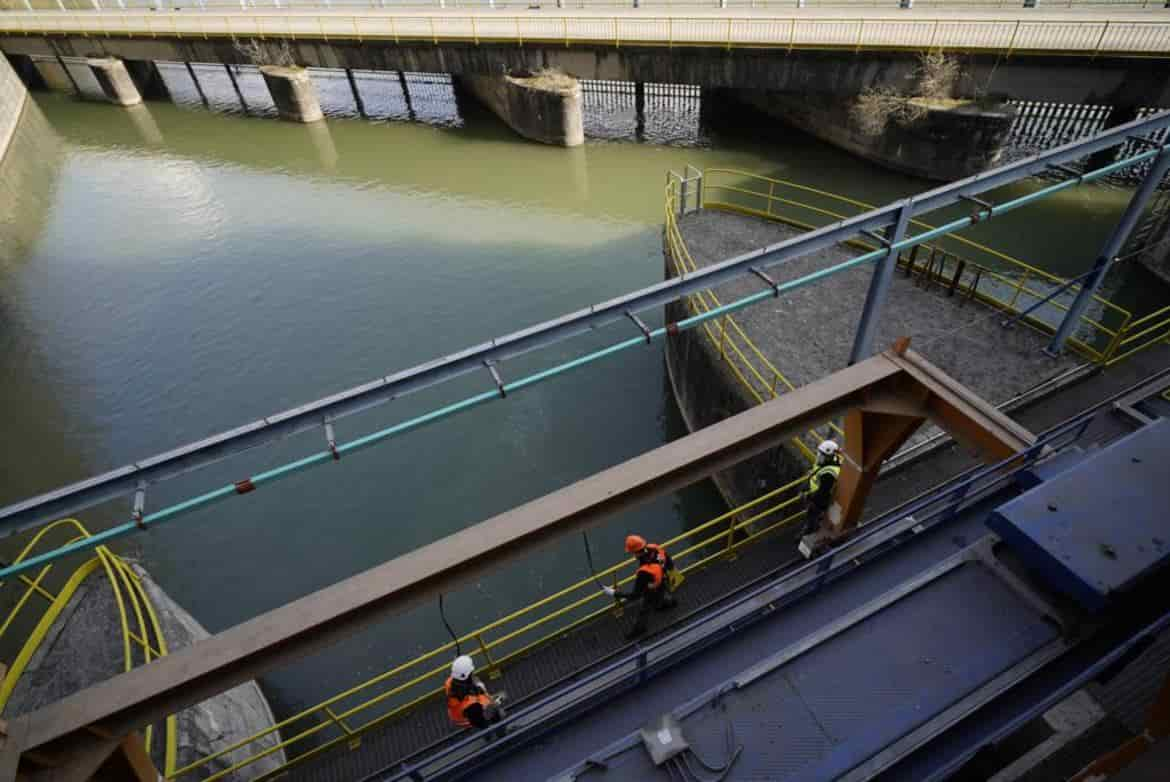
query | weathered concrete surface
(115,81)
(945,144)
(84,647)
(13,96)
(293,93)
(544,107)
(808,333)
(1103,80)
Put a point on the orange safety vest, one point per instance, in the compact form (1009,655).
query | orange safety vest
(656,571)
(456,705)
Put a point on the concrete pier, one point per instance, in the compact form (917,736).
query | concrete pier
(541,106)
(293,93)
(147,79)
(950,140)
(115,81)
(12,99)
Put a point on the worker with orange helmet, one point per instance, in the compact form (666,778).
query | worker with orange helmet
(651,582)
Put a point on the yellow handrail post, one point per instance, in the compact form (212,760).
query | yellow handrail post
(1113,343)
(670,32)
(519,35)
(1012,42)
(434,37)
(729,34)
(394,29)
(565,28)
(1019,287)
(617,39)
(860,29)
(791,34)
(493,669)
(771,195)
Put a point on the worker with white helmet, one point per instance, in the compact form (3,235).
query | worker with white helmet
(822,485)
(468,702)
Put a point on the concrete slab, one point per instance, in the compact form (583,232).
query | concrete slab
(808,333)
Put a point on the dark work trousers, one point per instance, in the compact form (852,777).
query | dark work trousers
(658,599)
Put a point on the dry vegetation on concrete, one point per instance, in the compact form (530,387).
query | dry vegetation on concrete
(266,52)
(877,107)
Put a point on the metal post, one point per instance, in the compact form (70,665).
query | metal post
(879,287)
(640,111)
(236,84)
(406,94)
(1133,212)
(357,98)
(198,88)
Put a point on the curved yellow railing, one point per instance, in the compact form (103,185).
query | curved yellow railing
(989,275)
(746,362)
(127,588)
(393,693)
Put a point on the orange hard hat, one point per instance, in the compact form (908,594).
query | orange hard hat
(635,543)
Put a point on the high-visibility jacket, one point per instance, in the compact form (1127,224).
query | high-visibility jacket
(457,706)
(656,570)
(818,476)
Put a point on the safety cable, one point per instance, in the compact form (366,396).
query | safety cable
(589,559)
(455,638)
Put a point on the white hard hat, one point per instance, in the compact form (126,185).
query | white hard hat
(462,668)
(828,447)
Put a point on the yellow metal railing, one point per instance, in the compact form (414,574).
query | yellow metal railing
(143,633)
(1073,37)
(1137,335)
(754,371)
(346,716)
(979,271)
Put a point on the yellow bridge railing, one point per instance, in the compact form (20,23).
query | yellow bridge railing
(978,271)
(342,719)
(1121,36)
(145,635)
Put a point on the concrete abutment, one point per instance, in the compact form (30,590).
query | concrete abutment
(293,93)
(114,79)
(544,107)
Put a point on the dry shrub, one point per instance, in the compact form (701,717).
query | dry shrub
(266,52)
(876,107)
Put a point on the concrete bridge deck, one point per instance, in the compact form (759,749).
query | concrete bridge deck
(1103,32)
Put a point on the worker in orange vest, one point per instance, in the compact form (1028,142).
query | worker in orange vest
(651,583)
(468,702)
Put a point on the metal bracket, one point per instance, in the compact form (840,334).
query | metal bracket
(638,322)
(139,505)
(986,206)
(331,440)
(775,286)
(883,241)
(1145,142)
(491,366)
(1070,172)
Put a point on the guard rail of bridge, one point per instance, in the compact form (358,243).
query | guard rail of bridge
(1065,37)
(950,5)
(343,718)
(138,646)
(958,265)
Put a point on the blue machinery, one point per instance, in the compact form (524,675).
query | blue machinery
(887,225)
(930,637)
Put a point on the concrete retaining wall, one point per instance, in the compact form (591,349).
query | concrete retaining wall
(12,99)
(544,108)
(945,144)
(706,393)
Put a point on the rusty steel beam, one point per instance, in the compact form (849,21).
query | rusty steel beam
(316,621)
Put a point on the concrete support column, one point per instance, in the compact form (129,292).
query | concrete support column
(544,107)
(293,93)
(115,81)
(147,79)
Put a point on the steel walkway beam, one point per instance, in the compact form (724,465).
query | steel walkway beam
(130,478)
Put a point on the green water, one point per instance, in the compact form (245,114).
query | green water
(169,272)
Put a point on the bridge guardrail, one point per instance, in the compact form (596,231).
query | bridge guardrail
(1128,38)
(406,686)
(204,5)
(149,640)
(955,262)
